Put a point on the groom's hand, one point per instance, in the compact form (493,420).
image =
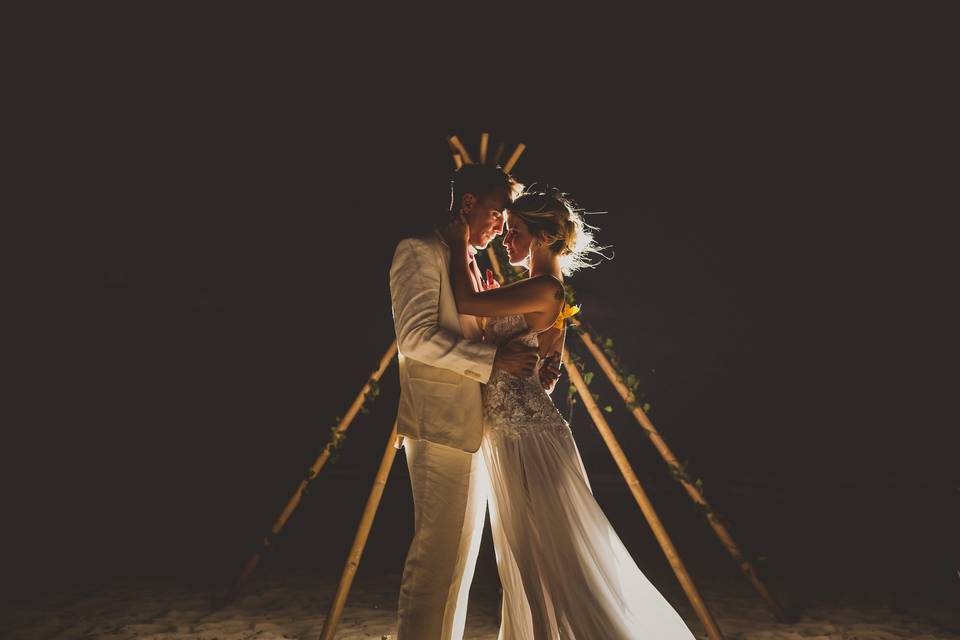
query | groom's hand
(516,357)
(550,372)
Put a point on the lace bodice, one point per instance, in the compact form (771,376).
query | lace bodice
(515,406)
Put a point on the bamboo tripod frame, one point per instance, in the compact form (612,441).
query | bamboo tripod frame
(462,156)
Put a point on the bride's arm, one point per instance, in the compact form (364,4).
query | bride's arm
(526,296)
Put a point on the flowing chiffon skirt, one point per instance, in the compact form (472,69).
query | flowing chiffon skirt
(564,570)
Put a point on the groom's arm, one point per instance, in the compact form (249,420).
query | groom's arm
(415,296)
(550,343)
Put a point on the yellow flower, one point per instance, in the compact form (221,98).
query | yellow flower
(565,313)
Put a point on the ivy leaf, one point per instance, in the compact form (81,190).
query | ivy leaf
(608,409)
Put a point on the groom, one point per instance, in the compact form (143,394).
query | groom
(443,362)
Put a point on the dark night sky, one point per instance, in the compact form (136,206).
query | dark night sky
(219,201)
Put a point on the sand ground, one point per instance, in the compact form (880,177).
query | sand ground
(293,605)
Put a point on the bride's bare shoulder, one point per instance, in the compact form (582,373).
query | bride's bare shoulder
(549,286)
(549,293)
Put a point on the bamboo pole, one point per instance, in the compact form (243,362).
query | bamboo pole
(360,540)
(317,465)
(692,490)
(457,160)
(633,483)
(498,154)
(514,157)
(458,147)
(484,141)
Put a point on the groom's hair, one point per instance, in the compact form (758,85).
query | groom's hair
(480,180)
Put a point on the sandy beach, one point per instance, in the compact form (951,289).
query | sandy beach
(820,551)
(293,605)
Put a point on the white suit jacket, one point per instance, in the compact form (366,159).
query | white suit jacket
(442,359)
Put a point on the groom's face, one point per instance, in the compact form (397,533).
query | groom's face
(485,215)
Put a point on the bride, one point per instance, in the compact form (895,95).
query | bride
(565,573)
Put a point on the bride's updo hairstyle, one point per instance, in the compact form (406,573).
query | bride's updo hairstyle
(549,210)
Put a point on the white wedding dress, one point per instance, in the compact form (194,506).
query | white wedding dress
(564,571)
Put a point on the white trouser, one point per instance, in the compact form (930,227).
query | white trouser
(450,490)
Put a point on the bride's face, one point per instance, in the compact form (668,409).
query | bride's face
(517,240)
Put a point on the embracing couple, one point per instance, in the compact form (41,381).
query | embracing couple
(477,365)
